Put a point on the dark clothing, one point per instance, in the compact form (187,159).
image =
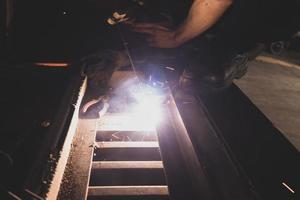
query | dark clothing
(260,21)
(244,24)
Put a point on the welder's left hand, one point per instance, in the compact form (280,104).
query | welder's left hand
(158,35)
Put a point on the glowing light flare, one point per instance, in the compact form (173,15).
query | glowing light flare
(142,114)
(124,122)
(55,65)
(147,110)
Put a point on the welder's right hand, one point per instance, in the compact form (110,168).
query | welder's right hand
(157,35)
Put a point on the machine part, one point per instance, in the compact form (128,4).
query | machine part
(117,18)
(278,47)
(126,13)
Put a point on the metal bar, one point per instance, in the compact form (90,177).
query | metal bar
(128,190)
(106,145)
(185,174)
(222,173)
(253,143)
(127,165)
(121,122)
(57,133)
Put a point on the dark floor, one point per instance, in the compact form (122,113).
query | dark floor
(275,90)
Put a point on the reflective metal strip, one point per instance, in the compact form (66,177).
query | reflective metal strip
(127,144)
(128,190)
(127,165)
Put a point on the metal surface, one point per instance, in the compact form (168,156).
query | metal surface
(186,176)
(200,149)
(221,170)
(260,151)
(57,132)
(150,144)
(127,165)
(41,102)
(128,190)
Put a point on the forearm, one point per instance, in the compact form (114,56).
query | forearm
(203,14)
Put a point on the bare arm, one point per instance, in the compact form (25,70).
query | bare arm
(203,14)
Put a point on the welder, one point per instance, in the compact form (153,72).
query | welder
(216,37)
(220,36)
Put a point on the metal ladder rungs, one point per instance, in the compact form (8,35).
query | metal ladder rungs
(127,165)
(128,144)
(145,190)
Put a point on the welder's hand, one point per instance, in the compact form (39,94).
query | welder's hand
(158,35)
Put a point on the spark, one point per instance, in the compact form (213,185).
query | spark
(290,189)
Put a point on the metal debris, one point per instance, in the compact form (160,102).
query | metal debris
(114,135)
(45,124)
(9,158)
(129,139)
(96,145)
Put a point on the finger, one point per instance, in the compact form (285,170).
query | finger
(150,25)
(149,31)
(130,22)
